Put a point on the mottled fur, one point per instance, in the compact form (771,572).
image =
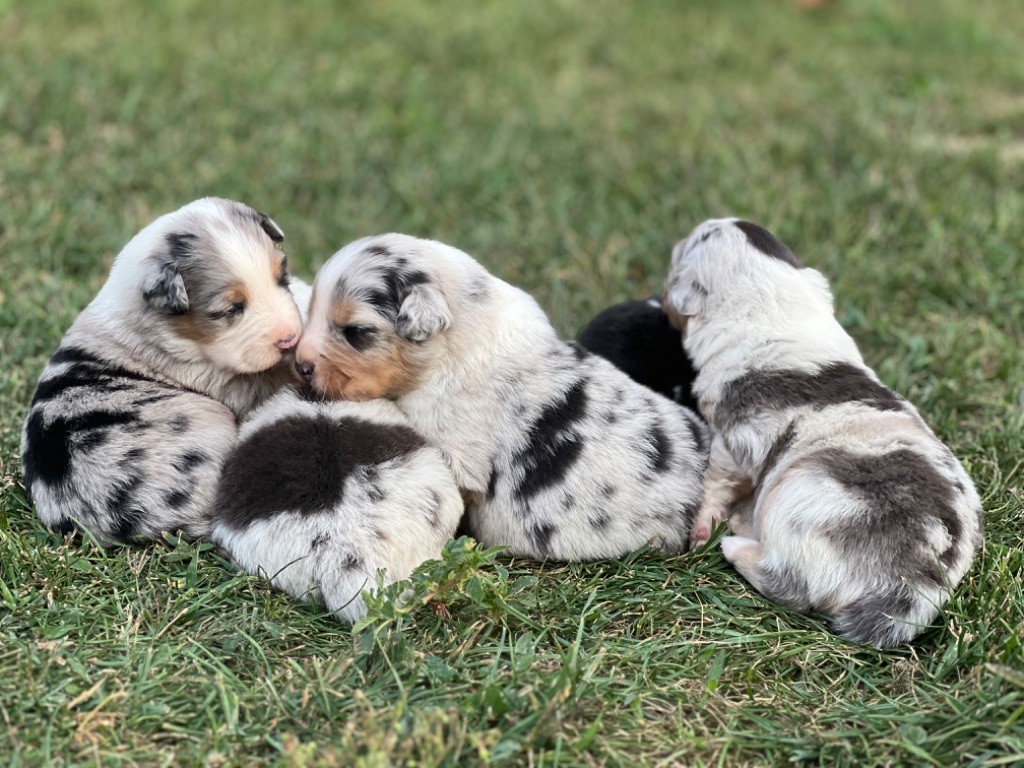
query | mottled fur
(855,507)
(560,454)
(320,496)
(137,408)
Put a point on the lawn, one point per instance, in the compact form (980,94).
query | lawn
(567,145)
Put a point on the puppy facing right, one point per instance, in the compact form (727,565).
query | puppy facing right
(856,509)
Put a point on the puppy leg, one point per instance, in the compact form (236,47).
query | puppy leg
(745,556)
(724,484)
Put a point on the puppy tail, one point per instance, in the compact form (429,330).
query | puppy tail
(889,618)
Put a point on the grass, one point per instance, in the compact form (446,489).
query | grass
(567,145)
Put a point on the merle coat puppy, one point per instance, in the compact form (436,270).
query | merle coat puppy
(559,453)
(319,497)
(137,408)
(855,507)
(637,338)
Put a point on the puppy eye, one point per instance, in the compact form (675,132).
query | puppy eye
(284,277)
(358,336)
(234,310)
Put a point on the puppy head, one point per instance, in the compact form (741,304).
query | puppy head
(209,282)
(378,316)
(733,266)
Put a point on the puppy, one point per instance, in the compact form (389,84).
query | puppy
(856,508)
(136,410)
(318,497)
(559,453)
(637,338)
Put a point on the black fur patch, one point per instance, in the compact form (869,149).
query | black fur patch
(189,460)
(395,283)
(904,496)
(176,499)
(125,514)
(301,463)
(775,390)
(181,245)
(540,536)
(768,244)
(639,340)
(786,586)
(179,424)
(554,444)
(319,540)
(492,481)
(778,449)
(600,521)
(660,450)
(48,445)
(99,376)
(434,509)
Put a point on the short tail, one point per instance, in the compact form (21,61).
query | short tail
(889,619)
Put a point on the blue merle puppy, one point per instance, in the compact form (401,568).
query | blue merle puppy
(638,338)
(137,408)
(559,453)
(318,497)
(853,506)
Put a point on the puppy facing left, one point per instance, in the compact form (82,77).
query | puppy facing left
(319,497)
(137,408)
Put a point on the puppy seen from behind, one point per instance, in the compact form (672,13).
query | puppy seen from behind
(320,496)
(849,504)
(558,453)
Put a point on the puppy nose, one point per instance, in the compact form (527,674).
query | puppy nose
(288,341)
(305,369)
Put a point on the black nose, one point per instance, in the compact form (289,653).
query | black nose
(305,369)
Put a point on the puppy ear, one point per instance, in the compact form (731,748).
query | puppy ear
(164,290)
(269,226)
(684,296)
(424,313)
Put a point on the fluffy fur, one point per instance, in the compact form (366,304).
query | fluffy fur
(638,339)
(854,507)
(558,453)
(318,497)
(137,408)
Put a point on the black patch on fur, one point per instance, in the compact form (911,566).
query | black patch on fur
(776,390)
(904,497)
(608,491)
(319,540)
(768,244)
(154,398)
(554,444)
(92,440)
(351,562)
(189,460)
(778,449)
(600,521)
(434,509)
(176,499)
(267,225)
(540,536)
(103,378)
(181,245)
(125,514)
(787,586)
(132,457)
(74,355)
(696,433)
(375,494)
(301,463)
(179,424)
(64,526)
(377,250)
(48,445)
(492,481)
(660,450)
(579,352)
(639,340)
(396,282)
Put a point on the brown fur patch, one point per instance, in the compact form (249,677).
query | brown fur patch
(196,324)
(345,373)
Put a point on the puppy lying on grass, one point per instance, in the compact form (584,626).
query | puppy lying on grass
(136,410)
(318,496)
(558,453)
(638,339)
(857,509)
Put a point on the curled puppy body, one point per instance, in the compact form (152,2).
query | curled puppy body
(858,509)
(318,497)
(137,408)
(558,453)
(637,338)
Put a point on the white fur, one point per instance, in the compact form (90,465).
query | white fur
(391,516)
(857,508)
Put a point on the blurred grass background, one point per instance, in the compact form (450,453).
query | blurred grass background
(567,145)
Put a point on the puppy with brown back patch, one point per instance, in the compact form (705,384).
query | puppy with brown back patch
(848,503)
(558,453)
(137,409)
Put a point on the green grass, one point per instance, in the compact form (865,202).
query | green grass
(568,145)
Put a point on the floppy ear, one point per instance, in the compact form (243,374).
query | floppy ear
(164,290)
(269,226)
(424,313)
(684,296)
